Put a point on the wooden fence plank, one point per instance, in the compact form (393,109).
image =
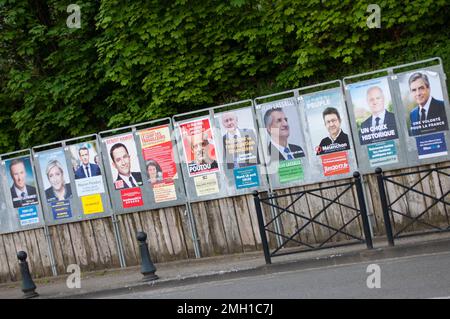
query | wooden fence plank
(375,207)
(90,244)
(79,246)
(416,201)
(166,250)
(301,207)
(315,205)
(58,254)
(216,229)
(333,212)
(5,273)
(149,228)
(111,240)
(231,226)
(127,235)
(11,256)
(38,239)
(245,224)
(176,233)
(101,242)
(203,232)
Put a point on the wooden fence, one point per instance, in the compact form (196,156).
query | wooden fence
(223,226)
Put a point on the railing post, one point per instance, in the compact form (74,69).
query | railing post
(384,206)
(363,209)
(262,230)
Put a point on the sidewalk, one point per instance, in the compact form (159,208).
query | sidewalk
(109,282)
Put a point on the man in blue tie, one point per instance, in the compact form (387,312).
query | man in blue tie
(86,169)
(381,124)
(277,126)
(21,193)
(429,114)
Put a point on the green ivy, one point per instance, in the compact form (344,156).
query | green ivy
(136,61)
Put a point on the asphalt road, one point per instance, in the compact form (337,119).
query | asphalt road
(423,276)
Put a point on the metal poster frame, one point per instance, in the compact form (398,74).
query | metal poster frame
(9,215)
(406,148)
(226,183)
(294,98)
(76,205)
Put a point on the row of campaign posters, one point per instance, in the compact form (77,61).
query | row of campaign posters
(231,143)
(422,111)
(159,173)
(55,179)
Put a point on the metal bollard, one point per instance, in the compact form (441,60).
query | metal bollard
(28,286)
(147,267)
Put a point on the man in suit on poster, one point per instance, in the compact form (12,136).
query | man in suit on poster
(429,113)
(277,126)
(380,116)
(21,193)
(86,169)
(239,144)
(122,162)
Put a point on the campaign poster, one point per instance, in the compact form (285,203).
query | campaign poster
(61,209)
(160,166)
(282,132)
(239,139)
(206,184)
(327,121)
(246,177)
(21,181)
(290,171)
(55,175)
(28,215)
(199,147)
(374,111)
(423,101)
(92,204)
(382,153)
(432,145)
(124,162)
(335,164)
(86,168)
(131,197)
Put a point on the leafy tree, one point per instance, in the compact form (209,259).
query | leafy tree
(131,62)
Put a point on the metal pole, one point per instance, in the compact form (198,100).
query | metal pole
(116,230)
(363,209)
(384,206)
(262,230)
(50,251)
(193,229)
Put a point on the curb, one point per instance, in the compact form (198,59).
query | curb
(362,256)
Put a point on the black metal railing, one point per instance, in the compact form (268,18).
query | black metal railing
(359,210)
(405,188)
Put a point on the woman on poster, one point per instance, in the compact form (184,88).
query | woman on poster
(59,190)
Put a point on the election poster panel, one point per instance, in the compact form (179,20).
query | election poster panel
(55,177)
(374,111)
(124,162)
(327,122)
(199,147)
(328,127)
(284,140)
(125,169)
(423,101)
(160,167)
(85,165)
(240,146)
(21,181)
